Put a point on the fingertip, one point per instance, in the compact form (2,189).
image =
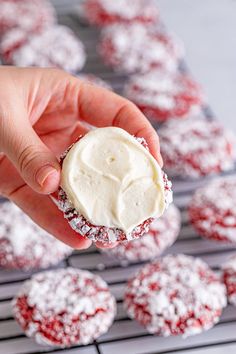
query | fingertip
(106,245)
(83,244)
(51,181)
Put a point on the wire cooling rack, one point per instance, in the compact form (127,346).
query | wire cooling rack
(125,336)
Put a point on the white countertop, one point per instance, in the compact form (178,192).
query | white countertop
(208,29)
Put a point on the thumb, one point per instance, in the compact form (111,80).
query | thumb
(37,165)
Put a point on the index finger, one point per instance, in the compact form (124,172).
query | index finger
(101,108)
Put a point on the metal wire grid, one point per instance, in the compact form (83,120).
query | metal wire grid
(125,335)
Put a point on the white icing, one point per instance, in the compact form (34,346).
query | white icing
(21,237)
(193,147)
(112,180)
(55,47)
(185,285)
(162,234)
(73,292)
(135,48)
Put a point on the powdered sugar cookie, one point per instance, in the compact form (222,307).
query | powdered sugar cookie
(136,48)
(95,80)
(55,47)
(106,12)
(162,234)
(177,295)
(229,278)
(32,16)
(212,210)
(113,195)
(24,245)
(64,307)
(161,94)
(196,147)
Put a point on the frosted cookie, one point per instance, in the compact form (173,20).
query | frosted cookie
(24,245)
(136,48)
(196,147)
(111,186)
(32,16)
(161,235)
(95,80)
(55,47)
(212,210)
(64,307)
(106,12)
(229,278)
(161,94)
(177,295)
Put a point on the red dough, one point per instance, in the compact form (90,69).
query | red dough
(106,12)
(95,80)
(162,234)
(229,278)
(177,295)
(136,48)
(212,210)
(24,245)
(162,95)
(196,147)
(29,15)
(55,47)
(102,233)
(64,307)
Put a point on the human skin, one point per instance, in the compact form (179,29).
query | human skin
(43,111)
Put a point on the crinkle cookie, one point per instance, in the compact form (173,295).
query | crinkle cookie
(64,307)
(176,295)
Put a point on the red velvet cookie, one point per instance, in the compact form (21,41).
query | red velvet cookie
(106,234)
(212,210)
(136,48)
(177,295)
(161,235)
(32,16)
(24,245)
(55,47)
(196,147)
(161,94)
(229,278)
(106,12)
(64,307)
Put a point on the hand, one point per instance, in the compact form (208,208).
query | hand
(42,111)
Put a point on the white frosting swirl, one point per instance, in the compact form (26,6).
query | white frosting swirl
(112,180)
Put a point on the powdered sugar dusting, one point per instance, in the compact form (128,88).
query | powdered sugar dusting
(55,47)
(196,147)
(175,295)
(135,48)
(162,234)
(64,307)
(162,95)
(229,278)
(25,245)
(212,210)
(30,15)
(103,12)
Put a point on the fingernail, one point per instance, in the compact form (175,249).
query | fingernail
(44,172)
